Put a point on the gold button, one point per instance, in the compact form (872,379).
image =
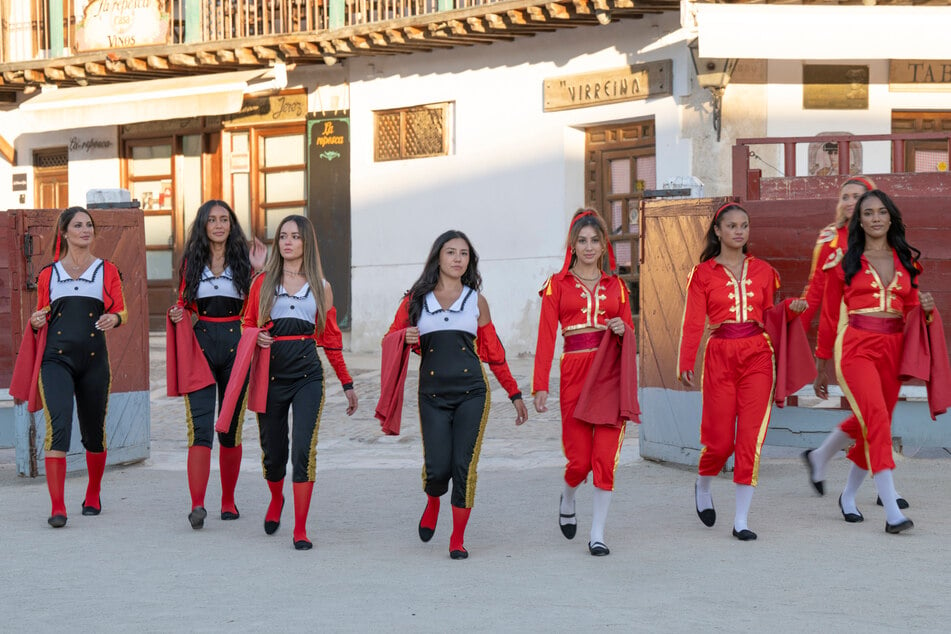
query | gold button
(60,351)
(272,378)
(92,334)
(230,329)
(430,349)
(466,371)
(305,376)
(90,314)
(431,373)
(59,332)
(230,350)
(92,354)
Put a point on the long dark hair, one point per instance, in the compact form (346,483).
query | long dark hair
(907,254)
(198,252)
(60,246)
(712,247)
(430,277)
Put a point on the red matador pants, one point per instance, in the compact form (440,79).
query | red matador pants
(867,370)
(737,386)
(588,448)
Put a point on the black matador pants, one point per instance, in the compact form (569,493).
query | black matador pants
(306,396)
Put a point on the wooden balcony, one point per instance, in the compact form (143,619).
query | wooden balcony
(224,35)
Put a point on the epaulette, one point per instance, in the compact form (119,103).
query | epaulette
(546,287)
(828,234)
(833,260)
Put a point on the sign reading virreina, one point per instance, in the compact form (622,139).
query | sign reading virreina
(121,23)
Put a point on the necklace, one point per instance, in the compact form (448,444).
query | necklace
(293,273)
(586,279)
(72,266)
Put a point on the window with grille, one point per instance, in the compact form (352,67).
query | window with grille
(414,132)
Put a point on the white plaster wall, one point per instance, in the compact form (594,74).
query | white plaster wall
(786,116)
(514,176)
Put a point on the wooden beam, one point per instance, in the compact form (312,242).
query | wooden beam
(35,76)
(157,63)
(75,72)
(457,27)
(359,41)
(92,68)
(343,46)
(582,7)
(495,21)
(328,49)
(264,52)
(309,48)
(378,39)
(624,4)
(475,24)
(558,11)
(136,64)
(602,5)
(395,36)
(517,17)
(182,59)
(54,74)
(289,50)
(13,76)
(246,56)
(225,56)
(116,66)
(537,14)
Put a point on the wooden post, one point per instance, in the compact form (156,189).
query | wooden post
(789,158)
(898,156)
(192,21)
(740,165)
(446,5)
(845,162)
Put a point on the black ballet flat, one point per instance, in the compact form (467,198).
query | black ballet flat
(271,527)
(462,553)
(819,486)
(197,517)
(425,534)
(568,530)
(302,544)
(901,502)
(598,549)
(57,521)
(92,510)
(745,535)
(707,516)
(894,529)
(228,515)
(851,518)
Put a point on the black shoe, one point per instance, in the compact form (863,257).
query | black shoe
(598,549)
(228,515)
(459,554)
(271,527)
(707,516)
(901,502)
(745,535)
(425,534)
(568,530)
(57,521)
(819,486)
(302,544)
(197,517)
(92,510)
(851,518)
(894,529)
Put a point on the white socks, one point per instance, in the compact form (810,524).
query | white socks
(568,506)
(836,441)
(601,501)
(885,484)
(856,478)
(744,497)
(704,496)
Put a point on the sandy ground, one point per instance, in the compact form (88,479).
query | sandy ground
(139,564)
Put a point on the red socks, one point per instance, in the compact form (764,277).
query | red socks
(199,465)
(460,517)
(277,501)
(303,491)
(229,460)
(56,483)
(430,513)
(95,465)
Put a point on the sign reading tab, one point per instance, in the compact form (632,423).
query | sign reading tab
(629,83)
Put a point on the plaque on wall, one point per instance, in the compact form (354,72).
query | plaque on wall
(918,75)
(638,81)
(834,87)
(102,24)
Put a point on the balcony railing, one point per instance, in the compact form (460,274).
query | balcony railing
(40,29)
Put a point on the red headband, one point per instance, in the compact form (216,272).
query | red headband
(59,238)
(861,180)
(726,206)
(612,262)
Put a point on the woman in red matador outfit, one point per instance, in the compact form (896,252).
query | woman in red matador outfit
(215,277)
(731,290)
(829,248)
(445,318)
(64,355)
(590,305)
(876,281)
(289,313)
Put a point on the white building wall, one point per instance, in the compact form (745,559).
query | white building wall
(514,176)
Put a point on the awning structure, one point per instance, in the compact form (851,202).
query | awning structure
(822,32)
(153,100)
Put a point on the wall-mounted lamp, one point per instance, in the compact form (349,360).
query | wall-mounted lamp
(713,73)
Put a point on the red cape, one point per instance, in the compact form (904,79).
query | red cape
(795,365)
(925,357)
(609,394)
(25,384)
(192,373)
(258,361)
(395,362)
